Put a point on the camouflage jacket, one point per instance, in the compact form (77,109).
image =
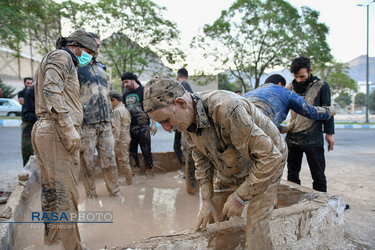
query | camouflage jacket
(235,139)
(121,124)
(94,91)
(57,88)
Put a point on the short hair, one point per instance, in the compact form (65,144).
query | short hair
(300,63)
(183,72)
(115,94)
(238,91)
(275,79)
(27,78)
(95,35)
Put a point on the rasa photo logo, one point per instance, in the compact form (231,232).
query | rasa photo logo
(71,217)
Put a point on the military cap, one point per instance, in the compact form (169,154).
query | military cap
(82,38)
(160,92)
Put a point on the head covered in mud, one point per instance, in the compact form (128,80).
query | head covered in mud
(161,92)
(166,102)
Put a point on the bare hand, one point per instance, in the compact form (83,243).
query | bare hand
(72,137)
(207,212)
(232,207)
(331,141)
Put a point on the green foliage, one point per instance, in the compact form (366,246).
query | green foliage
(344,99)
(360,99)
(371,101)
(8,91)
(253,36)
(140,33)
(29,21)
(226,84)
(337,75)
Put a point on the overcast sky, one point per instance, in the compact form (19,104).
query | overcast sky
(346,21)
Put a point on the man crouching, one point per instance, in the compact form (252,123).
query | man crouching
(232,140)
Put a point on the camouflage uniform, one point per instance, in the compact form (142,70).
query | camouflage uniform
(238,144)
(121,133)
(97,128)
(57,104)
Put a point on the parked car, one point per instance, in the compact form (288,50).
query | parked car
(10,107)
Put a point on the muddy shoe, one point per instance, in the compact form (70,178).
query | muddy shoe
(149,172)
(129,181)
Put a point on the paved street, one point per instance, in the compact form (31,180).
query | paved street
(351,145)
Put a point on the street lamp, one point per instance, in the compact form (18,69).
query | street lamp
(367,61)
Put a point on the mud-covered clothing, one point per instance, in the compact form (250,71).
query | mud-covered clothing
(306,136)
(133,101)
(177,134)
(28,120)
(58,83)
(121,124)
(140,135)
(98,136)
(121,133)
(97,128)
(58,104)
(233,137)
(139,128)
(307,132)
(94,91)
(276,101)
(240,145)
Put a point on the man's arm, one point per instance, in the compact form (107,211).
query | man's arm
(328,126)
(299,105)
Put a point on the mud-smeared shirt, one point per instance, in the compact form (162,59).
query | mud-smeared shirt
(276,101)
(232,137)
(304,131)
(94,91)
(121,124)
(57,88)
(133,101)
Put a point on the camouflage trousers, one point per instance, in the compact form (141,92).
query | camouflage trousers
(26,145)
(122,160)
(191,183)
(98,137)
(140,135)
(59,175)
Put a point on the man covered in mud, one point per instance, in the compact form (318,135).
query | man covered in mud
(306,135)
(121,133)
(140,130)
(275,101)
(55,135)
(233,141)
(96,127)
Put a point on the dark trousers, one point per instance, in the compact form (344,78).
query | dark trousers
(316,161)
(177,146)
(140,135)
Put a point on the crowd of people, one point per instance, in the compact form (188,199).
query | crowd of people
(230,145)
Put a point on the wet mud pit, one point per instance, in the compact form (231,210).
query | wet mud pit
(153,206)
(158,206)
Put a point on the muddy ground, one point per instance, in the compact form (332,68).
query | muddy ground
(350,175)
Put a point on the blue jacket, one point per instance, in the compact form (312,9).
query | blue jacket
(275,102)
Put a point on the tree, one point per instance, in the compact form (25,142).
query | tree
(344,99)
(371,101)
(138,34)
(253,36)
(7,90)
(360,99)
(337,75)
(29,21)
(225,84)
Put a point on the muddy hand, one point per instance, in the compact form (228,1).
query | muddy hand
(153,128)
(232,207)
(73,138)
(207,212)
